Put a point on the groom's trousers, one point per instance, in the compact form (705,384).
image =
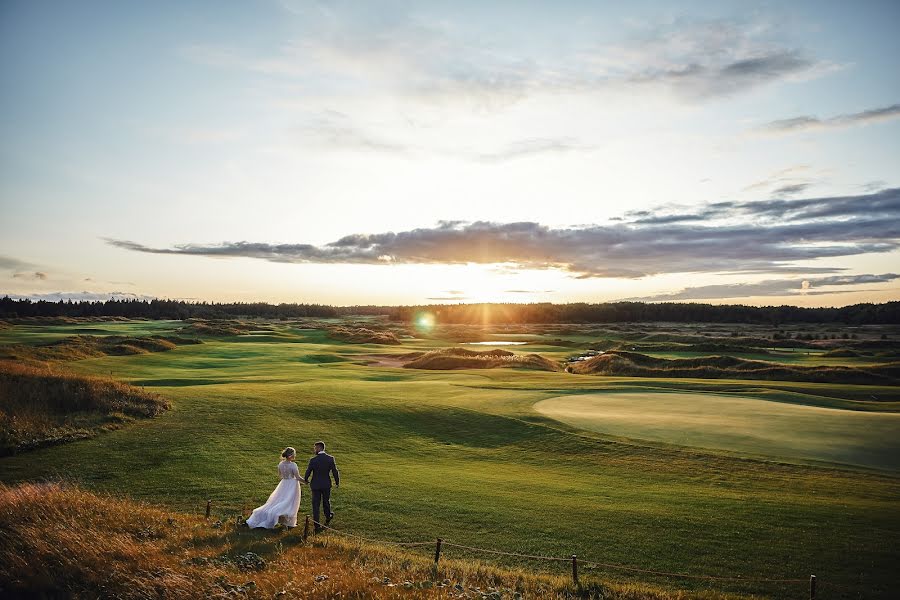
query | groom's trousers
(320,497)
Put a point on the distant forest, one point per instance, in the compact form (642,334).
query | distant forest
(498,314)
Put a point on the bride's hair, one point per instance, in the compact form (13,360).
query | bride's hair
(288,452)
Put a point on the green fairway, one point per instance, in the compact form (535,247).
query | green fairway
(465,456)
(780,430)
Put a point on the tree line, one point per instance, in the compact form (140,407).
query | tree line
(474,314)
(161,309)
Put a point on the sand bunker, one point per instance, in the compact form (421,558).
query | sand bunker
(792,432)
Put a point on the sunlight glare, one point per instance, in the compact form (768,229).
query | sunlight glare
(424,322)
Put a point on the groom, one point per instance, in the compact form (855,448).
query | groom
(320,466)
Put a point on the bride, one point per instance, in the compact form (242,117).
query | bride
(285,500)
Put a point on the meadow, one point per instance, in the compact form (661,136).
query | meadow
(465,455)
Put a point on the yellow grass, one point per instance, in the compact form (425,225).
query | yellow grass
(43,404)
(57,540)
(462,358)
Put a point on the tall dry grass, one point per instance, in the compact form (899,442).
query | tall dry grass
(42,404)
(363,335)
(463,358)
(58,540)
(630,364)
(78,347)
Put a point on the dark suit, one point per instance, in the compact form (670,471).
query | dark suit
(321,466)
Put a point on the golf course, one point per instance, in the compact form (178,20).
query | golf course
(676,483)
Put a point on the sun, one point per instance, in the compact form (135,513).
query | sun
(424,322)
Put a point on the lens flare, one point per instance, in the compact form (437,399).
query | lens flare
(424,322)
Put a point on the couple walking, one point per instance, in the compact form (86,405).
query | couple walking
(284,502)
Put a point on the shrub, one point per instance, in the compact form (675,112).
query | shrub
(463,358)
(42,405)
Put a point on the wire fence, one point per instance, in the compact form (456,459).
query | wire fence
(374,541)
(440,543)
(576,563)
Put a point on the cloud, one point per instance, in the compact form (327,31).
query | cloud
(528,291)
(451,295)
(34,275)
(807,123)
(527,148)
(80,296)
(696,80)
(786,182)
(761,236)
(392,51)
(791,189)
(333,130)
(14,264)
(771,287)
(874,186)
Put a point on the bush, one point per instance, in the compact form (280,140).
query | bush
(463,358)
(630,364)
(42,405)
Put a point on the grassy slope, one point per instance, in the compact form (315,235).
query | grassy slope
(59,541)
(41,334)
(797,432)
(43,404)
(463,455)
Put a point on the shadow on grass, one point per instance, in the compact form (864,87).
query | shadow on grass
(386,378)
(265,542)
(177,382)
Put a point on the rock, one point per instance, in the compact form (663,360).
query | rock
(250,561)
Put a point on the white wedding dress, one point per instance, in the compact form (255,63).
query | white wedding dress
(283,502)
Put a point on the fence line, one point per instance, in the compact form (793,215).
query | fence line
(532,556)
(688,576)
(353,535)
(595,565)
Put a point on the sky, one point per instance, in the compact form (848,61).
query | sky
(441,152)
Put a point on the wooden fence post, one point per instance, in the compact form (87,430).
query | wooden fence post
(306,528)
(437,551)
(575,569)
(208,507)
(812,587)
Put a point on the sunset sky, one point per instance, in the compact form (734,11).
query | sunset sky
(420,152)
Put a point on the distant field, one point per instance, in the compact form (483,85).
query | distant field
(41,334)
(464,455)
(781,430)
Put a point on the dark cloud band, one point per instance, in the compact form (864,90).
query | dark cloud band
(772,287)
(763,236)
(806,122)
